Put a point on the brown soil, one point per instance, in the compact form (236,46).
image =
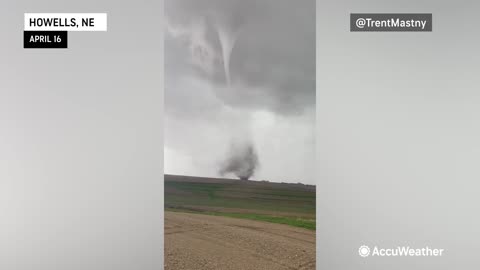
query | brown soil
(200,242)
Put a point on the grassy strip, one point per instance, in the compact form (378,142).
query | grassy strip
(296,222)
(302,223)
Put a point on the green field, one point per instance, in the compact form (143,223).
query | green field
(291,204)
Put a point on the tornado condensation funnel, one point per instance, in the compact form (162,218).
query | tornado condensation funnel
(227,38)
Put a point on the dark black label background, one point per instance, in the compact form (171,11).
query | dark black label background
(385,16)
(63,44)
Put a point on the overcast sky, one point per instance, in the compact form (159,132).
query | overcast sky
(237,69)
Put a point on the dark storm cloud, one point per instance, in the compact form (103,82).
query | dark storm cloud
(240,71)
(272,62)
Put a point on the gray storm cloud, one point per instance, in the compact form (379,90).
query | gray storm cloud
(228,61)
(264,49)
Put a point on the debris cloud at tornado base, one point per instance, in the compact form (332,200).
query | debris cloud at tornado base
(241,160)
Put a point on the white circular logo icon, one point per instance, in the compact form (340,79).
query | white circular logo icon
(364,251)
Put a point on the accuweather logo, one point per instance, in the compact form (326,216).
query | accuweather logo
(364,251)
(400,251)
